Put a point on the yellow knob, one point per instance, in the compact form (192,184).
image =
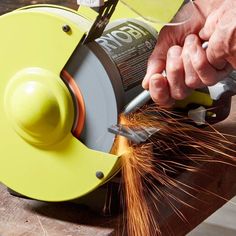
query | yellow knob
(39,106)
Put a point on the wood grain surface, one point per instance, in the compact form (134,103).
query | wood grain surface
(24,217)
(32,218)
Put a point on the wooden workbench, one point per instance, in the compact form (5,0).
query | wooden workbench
(26,217)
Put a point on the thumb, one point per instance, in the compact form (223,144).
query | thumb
(210,26)
(215,52)
(155,66)
(157,61)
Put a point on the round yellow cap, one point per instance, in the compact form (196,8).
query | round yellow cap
(39,106)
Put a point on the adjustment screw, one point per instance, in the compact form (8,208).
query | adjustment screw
(66,28)
(99,175)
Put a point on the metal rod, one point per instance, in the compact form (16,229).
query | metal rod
(137,102)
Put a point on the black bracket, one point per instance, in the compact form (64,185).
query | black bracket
(104,14)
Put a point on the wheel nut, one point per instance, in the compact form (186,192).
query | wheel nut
(99,175)
(66,28)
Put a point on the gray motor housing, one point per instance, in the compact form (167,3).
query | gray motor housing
(109,73)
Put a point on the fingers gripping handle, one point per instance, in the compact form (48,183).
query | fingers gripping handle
(145,96)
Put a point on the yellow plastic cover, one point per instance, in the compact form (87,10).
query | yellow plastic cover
(158,11)
(39,156)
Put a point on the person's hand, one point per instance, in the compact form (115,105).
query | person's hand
(220,31)
(179,52)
